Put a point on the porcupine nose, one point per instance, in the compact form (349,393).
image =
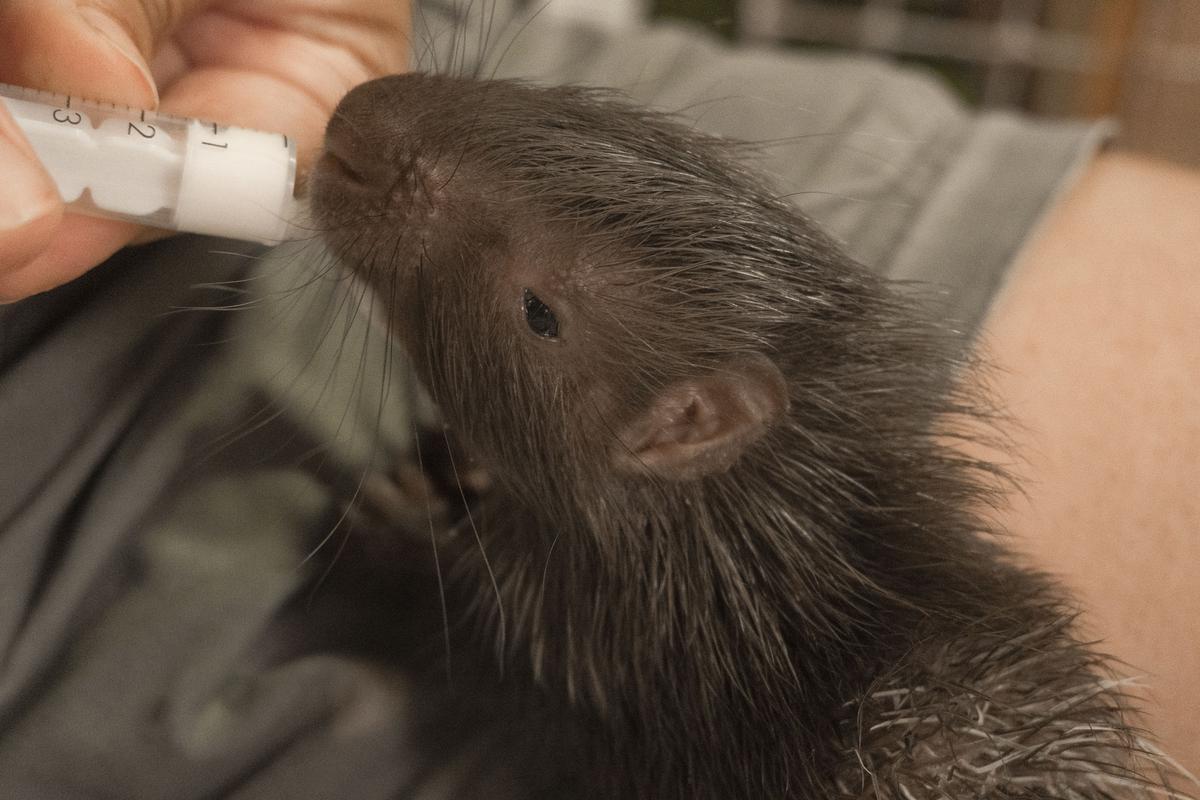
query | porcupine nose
(348,158)
(381,144)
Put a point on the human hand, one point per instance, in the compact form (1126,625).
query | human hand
(278,65)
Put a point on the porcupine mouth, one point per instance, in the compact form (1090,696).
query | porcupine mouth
(345,159)
(335,166)
(345,185)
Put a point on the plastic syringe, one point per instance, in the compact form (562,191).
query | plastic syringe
(160,170)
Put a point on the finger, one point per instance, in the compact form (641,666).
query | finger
(76,244)
(281,65)
(29,205)
(77,49)
(345,40)
(74,48)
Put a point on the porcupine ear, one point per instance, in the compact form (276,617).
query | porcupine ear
(701,426)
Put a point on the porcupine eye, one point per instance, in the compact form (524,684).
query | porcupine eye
(538,315)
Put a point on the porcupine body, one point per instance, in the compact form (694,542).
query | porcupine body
(731,548)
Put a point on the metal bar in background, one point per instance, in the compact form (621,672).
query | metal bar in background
(761,20)
(881,25)
(884,26)
(891,29)
(1006,84)
(1137,58)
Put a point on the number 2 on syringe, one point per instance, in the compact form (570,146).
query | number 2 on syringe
(145,134)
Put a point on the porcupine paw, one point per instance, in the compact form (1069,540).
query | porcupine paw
(404,502)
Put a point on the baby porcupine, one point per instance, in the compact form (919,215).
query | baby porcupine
(731,549)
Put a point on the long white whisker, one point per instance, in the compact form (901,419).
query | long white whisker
(502,643)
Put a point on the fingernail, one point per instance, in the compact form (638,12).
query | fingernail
(118,37)
(29,193)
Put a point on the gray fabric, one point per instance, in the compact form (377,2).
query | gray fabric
(886,159)
(164,474)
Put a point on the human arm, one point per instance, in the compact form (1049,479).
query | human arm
(1097,337)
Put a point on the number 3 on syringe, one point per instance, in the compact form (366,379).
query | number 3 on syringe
(67,117)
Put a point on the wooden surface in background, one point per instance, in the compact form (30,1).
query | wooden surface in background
(1160,99)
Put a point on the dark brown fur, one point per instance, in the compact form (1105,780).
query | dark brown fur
(731,550)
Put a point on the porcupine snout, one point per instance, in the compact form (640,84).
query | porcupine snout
(378,149)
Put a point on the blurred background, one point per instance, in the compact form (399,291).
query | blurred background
(1134,60)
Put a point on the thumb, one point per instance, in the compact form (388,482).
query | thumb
(29,206)
(97,49)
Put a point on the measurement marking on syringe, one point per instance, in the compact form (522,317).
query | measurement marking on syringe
(157,173)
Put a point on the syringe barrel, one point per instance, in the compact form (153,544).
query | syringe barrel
(158,169)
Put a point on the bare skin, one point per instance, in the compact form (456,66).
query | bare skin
(1098,338)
